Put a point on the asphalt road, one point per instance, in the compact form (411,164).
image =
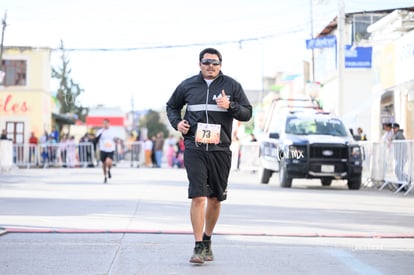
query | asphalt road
(66,221)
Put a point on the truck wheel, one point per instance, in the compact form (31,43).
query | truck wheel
(326,182)
(354,183)
(266,174)
(284,180)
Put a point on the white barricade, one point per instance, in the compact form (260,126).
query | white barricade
(64,154)
(134,153)
(398,165)
(366,150)
(6,155)
(391,164)
(249,156)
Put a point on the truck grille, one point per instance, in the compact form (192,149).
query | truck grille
(324,151)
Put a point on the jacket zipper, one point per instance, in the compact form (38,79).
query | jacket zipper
(208,95)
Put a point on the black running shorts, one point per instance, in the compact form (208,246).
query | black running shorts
(207,172)
(105,155)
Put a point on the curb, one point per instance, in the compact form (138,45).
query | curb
(179,232)
(3,231)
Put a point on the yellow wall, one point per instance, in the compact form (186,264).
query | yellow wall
(31,103)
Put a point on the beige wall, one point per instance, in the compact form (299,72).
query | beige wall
(30,103)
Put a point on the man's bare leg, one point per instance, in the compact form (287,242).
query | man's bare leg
(212,214)
(104,169)
(197,214)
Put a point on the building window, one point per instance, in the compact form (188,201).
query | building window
(361,24)
(15,72)
(15,131)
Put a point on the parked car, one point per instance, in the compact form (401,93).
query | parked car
(308,143)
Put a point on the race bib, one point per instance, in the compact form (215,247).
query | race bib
(108,145)
(208,133)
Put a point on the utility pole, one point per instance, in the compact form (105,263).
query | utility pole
(4,24)
(311,34)
(341,55)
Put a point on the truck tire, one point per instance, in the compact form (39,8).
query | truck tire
(354,183)
(266,174)
(284,179)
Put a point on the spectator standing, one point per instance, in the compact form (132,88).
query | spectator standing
(63,150)
(43,145)
(388,133)
(3,134)
(361,134)
(51,149)
(153,159)
(148,152)
(400,153)
(159,148)
(71,152)
(33,142)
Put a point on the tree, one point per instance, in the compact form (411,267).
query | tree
(68,91)
(152,122)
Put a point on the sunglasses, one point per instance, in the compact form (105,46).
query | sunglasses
(214,62)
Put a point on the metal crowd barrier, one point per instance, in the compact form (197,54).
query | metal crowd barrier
(366,150)
(54,155)
(389,165)
(249,156)
(132,152)
(6,155)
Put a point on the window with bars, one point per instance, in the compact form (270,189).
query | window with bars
(15,72)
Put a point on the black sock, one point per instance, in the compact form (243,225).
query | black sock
(199,243)
(206,238)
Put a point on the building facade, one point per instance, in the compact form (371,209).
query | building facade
(370,93)
(25,96)
(393,44)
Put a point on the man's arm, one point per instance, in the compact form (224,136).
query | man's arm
(240,107)
(174,107)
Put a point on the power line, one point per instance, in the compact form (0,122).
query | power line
(298,29)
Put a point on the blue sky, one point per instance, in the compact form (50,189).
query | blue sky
(150,75)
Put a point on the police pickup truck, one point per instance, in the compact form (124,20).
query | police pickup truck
(306,143)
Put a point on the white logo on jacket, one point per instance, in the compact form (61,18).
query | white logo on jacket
(219,96)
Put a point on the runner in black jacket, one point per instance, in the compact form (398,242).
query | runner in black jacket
(212,101)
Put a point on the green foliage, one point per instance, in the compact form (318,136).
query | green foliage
(152,122)
(68,91)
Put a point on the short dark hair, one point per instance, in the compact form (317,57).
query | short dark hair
(395,125)
(210,51)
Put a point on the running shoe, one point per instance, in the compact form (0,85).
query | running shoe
(198,254)
(208,252)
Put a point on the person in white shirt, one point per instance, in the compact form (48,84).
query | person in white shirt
(106,138)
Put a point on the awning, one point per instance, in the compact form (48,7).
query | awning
(97,121)
(63,119)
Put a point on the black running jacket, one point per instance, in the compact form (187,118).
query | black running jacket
(201,106)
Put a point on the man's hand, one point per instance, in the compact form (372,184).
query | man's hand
(183,126)
(223,101)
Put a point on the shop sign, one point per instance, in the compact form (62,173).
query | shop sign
(10,105)
(358,57)
(328,41)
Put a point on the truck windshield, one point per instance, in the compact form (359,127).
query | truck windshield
(315,126)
